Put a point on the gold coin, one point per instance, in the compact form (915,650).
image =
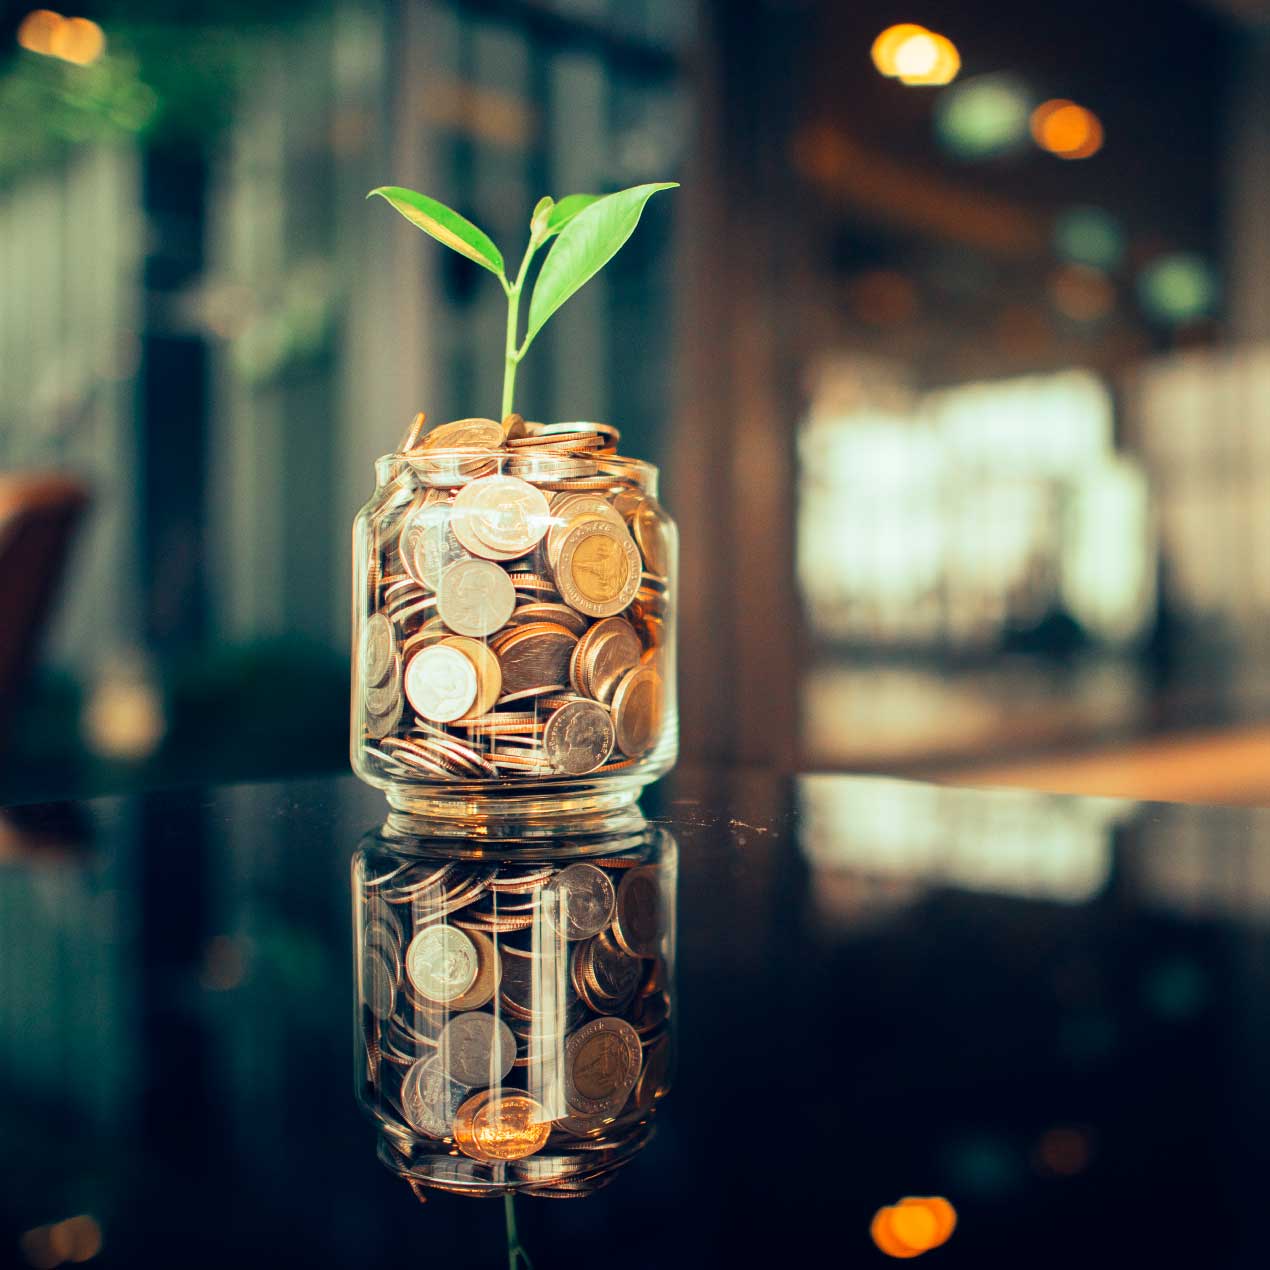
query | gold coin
(489,675)
(637,711)
(508,1126)
(598,568)
(464,434)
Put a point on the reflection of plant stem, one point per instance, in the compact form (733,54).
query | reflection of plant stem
(516,1254)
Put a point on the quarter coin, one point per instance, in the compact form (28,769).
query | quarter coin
(441,683)
(476,597)
(442,964)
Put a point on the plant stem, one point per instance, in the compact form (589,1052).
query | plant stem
(515,1252)
(512,354)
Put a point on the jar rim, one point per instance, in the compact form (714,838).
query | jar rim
(643,473)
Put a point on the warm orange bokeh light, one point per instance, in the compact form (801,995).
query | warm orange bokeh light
(1066,129)
(888,43)
(76,40)
(929,58)
(915,1225)
(914,55)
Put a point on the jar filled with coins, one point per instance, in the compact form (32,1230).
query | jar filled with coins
(513,626)
(514,1008)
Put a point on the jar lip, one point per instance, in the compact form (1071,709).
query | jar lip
(645,474)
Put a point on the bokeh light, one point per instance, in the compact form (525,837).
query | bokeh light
(983,116)
(1089,236)
(1066,129)
(915,1225)
(1081,292)
(1178,287)
(72,1241)
(914,55)
(76,40)
(888,43)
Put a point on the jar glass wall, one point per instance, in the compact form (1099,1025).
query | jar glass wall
(514,1012)
(514,629)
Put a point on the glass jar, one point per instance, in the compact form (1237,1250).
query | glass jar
(514,1006)
(513,628)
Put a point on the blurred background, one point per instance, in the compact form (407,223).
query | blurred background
(954,349)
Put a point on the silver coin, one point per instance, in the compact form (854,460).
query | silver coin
(429,1098)
(477,1049)
(382,697)
(441,683)
(377,650)
(427,544)
(578,737)
(382,725)
(579,900)
(442,963)
(504,517)
(476,597)
(616,972)
(602,1061)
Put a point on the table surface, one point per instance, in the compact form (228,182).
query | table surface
(1047,1009)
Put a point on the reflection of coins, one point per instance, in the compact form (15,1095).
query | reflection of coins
(441,683)
(638,926)
(601,1065)
(654,1074)
(579,900)
(377,650)
(636,710)
(477,1048)
(578,737)
(598,568)
(501,516)
(475,597)
(489,675)
(442,964)
(379,990)
(429,1098)
(508,1127)
(382,697)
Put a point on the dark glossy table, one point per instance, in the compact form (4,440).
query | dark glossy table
(1048,1009)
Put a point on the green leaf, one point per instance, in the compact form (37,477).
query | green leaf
(538,221)
(445,225)
(565,210)
(588,241)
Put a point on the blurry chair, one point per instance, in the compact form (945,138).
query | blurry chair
(38,518)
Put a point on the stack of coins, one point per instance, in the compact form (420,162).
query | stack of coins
(515,1017)
(516,614)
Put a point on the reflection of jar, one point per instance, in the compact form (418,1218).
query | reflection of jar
(513,626)
(514,1007)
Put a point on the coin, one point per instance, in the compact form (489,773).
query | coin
(475,597)
(383,697)
(489,971)
(413,433)
(509,1126)
(477,1049)
(427,545)
(649,529)
(579,900)
(545,611)
(654,1074)
(379,987)
(533,654)
(489,675)
(578,737)
(612,648)
(602,1061)
(382,725)
(429,1098)
(570,511)
(638,927)
(377,650)
(441,683)
(442,964)
(612,973)
(597,569)
(466,434)
(501,513)
(637,707)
